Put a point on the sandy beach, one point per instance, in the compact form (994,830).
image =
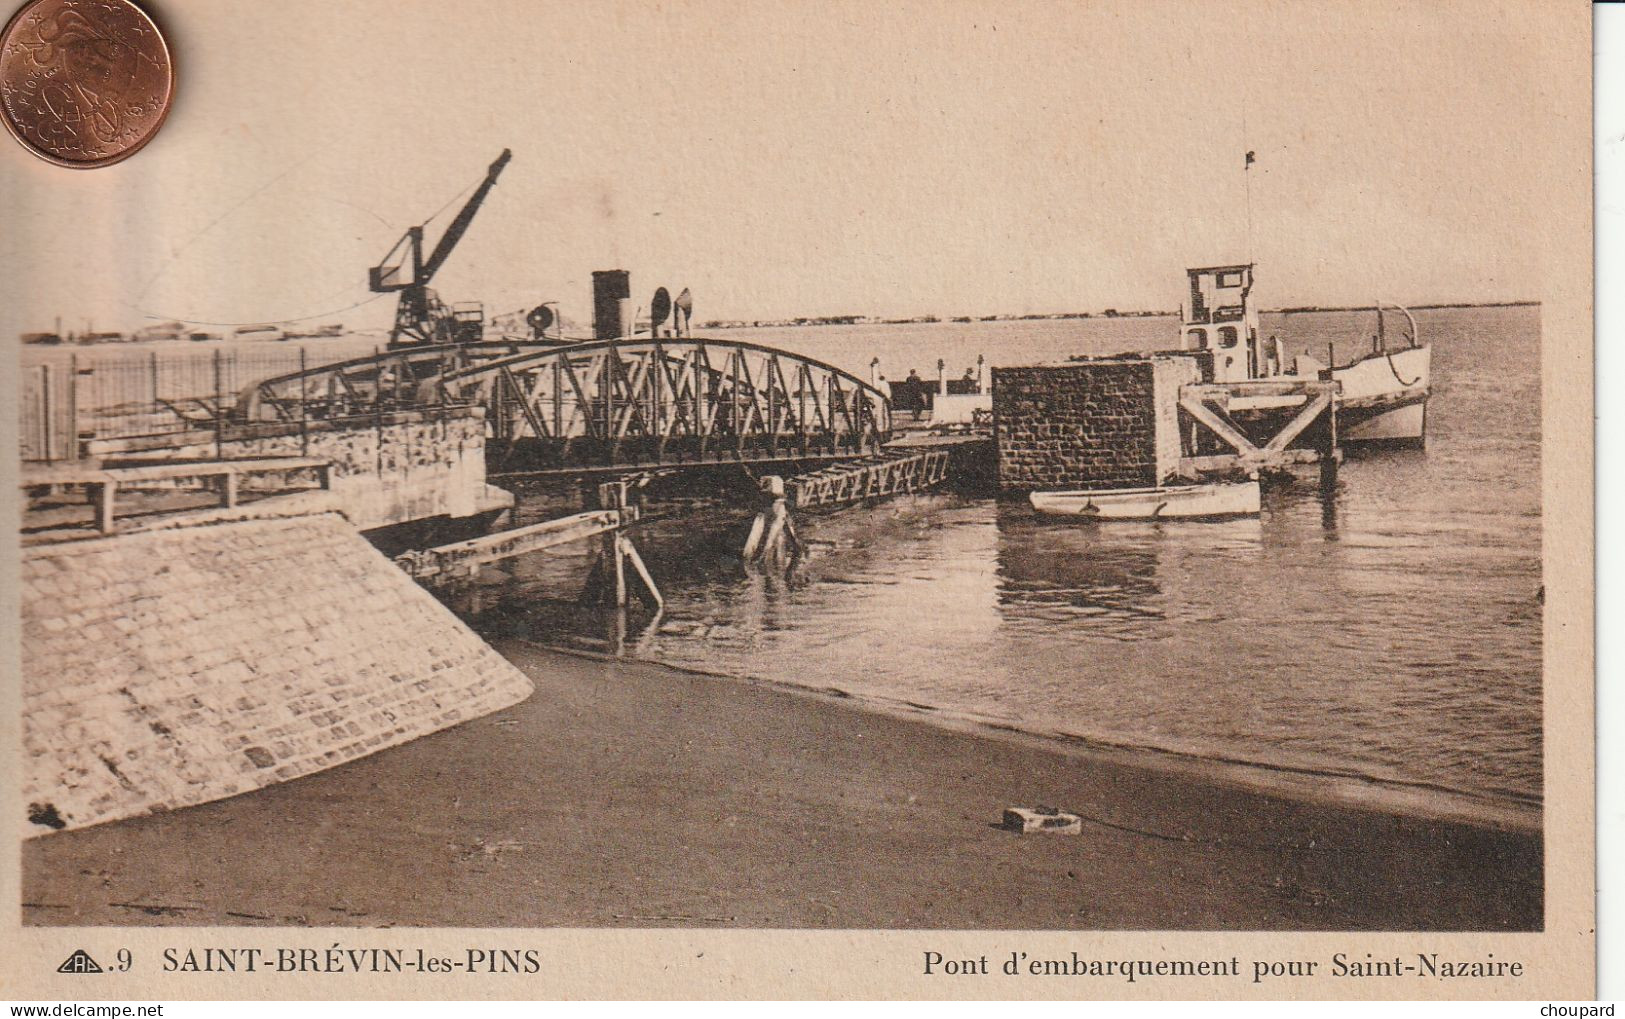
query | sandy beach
(629,794)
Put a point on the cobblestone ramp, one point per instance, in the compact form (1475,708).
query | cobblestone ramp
(175,667)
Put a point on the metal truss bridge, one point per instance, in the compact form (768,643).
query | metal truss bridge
(601,404)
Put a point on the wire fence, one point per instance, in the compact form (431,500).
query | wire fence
(71,398)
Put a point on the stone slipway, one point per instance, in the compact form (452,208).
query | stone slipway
(181,665)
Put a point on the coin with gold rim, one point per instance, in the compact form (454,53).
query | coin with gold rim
(84,83)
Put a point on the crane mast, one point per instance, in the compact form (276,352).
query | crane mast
(421,317)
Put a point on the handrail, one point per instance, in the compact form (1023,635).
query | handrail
(103,482)
(71,475)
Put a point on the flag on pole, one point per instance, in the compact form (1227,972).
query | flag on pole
(1250,160)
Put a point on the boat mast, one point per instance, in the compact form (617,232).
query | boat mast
(1246,142)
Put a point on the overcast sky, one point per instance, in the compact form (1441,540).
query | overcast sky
(806,159)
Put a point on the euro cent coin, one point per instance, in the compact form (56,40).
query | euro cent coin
(84,83)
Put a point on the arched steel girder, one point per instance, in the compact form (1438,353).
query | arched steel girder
(360,385)
(603,402)
(669,401)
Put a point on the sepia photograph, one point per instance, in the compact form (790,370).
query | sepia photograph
(1098,469)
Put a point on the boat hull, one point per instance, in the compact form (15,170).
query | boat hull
(1384,397)
(1401,423)
(1184,502)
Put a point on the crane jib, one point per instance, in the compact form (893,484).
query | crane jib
(454,231)
(421,317)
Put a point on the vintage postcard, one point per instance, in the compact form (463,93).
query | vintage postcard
(905,500)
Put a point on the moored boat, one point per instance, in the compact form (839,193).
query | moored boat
(1382,394)
(1218,499)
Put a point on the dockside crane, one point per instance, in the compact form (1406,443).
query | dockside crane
(421,317)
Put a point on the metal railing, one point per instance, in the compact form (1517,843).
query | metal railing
(77,397)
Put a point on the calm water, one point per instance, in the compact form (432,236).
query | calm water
(1392,629)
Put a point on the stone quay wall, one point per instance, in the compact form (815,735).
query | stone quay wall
(186,664)
(1098,423)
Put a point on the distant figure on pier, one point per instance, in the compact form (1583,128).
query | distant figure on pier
(913,394)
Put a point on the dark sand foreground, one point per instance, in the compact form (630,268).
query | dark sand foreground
(626,794)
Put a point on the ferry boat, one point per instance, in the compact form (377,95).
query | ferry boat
(1384,392)
(1218,499)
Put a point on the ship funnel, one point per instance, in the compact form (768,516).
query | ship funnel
(610,287)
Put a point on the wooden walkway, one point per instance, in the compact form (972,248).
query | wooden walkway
(891,473)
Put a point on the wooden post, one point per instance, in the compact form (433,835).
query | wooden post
(618,543)
(47,411)
(219,412)
(228,489)
(650,590)
(612,496)
(73,404)
(617,632)
(304,410)
(104,493)
(1330,453)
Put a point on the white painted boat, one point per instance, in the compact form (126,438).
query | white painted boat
(1385,396)
(1220,499)
(1382,395)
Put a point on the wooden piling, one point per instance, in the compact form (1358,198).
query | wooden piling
(105,493)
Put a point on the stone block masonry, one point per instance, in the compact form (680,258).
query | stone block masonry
(1098,423)
(177,666)
(396,468)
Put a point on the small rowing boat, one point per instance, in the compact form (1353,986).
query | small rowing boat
(1222,499)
